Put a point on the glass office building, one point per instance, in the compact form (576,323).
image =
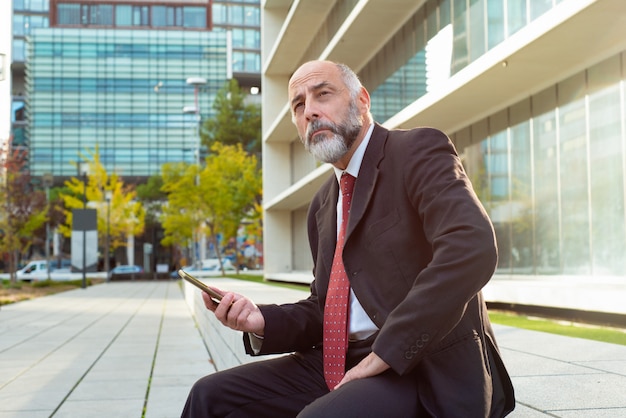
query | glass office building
(549,168)
(28,15)
(121,90)
(172,24)
(532,93)
(242,18)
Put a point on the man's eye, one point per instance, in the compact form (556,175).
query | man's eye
(297,106)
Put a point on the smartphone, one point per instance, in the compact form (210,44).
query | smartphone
(214,295)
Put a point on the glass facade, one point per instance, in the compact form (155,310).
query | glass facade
(551,169)
(121,90)
(130,15)
(27,15)
(439,40)
(243,19)
(551,173)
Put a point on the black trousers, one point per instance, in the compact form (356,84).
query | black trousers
(294,385)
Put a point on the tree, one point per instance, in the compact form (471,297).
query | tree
(152,197)
(230,188)
(126,217)
(23,210)
(181,216)
(214,200)
(236,121)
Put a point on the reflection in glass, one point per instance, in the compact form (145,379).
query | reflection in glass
(574,187)
(547,224)
(606,170)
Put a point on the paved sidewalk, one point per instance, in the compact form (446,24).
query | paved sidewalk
(133,349)
(110,350)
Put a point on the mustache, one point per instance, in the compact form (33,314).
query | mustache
(316,125)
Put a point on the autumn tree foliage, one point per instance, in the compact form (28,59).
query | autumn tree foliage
(23,210)
(214,200)
(127,215)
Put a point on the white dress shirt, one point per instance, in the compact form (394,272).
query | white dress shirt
(360,326)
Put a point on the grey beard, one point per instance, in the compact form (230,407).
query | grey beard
(328,150)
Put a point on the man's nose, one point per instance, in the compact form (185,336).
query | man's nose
(311,111)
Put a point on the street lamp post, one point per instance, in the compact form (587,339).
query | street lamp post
(108,196)
(82,171)
(48,180)
(196,82)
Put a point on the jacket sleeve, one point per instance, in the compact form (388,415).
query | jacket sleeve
(298,326)
(289,327)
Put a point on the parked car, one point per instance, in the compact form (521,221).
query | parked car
(38,269)
(125,270)
(212,264)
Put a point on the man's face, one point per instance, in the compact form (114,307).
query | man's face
(327,118)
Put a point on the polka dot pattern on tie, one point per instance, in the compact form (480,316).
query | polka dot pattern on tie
(337,298)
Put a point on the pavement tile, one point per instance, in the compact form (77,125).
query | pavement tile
(125,408)
(93,352)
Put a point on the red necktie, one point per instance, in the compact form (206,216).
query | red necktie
(337,298)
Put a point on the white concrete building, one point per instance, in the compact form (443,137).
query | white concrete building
(532,92)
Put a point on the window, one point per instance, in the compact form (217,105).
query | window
(123,15)
(159,16)
(101,15)
(17,114)
(237,38)
(38,5)
(19,50)
(252,39)
(251,16)
(194,17)
(220,14)
(141,16)
(69,14)
(19,25)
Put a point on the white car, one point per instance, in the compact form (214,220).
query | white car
(38,269)
(212,264)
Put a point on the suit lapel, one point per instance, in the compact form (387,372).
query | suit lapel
(366,180)
(327,222)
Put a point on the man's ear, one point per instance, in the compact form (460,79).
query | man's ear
(364,101)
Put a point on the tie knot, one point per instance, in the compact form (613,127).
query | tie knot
(347,184)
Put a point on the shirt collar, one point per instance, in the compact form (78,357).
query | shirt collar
(357,158)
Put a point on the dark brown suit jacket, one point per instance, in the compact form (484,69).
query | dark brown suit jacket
(418,251)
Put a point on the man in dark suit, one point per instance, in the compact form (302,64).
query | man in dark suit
(415,252)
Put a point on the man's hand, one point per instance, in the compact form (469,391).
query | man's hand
(236,312)
(371,365)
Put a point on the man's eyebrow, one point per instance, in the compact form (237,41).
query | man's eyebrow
(316,87)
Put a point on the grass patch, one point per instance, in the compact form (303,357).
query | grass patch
(18,291)
(569,329)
